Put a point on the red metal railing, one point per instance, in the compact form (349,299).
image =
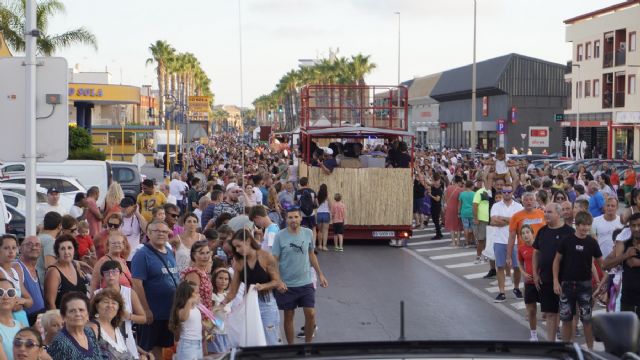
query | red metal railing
(326,106)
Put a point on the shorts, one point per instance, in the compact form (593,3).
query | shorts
(627,188)
(549,301)
(417,205)
(576,292)
(467,223)
(295,297)
(338,228)
(309,222)
(155,335)
(323,218)
(531,295)
(500,252)
(480,231)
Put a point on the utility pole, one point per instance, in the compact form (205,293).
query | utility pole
(30,155)
(474,134)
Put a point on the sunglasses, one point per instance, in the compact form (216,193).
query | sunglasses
(10,293)
(507,191)
(113,226)
(173,215)
(28,343)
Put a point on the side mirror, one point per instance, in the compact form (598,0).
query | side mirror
(618,331)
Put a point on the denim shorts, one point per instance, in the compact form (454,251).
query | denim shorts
(323,217)
(467,223)
(295,297)
(189,349)
(270,319)
(575,292)
(500,252)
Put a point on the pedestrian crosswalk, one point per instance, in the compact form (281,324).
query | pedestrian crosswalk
(461,262)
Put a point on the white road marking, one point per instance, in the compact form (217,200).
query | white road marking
(436,249)
(496,289)
(427,242)
(479,275)
(451,256)
(461,265)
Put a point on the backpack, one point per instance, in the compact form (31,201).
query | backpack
(306,202)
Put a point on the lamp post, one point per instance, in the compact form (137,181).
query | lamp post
(398,13)
(123,121)
(474,134)
(577,114)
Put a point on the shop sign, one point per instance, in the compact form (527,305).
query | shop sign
(422,129)
(628,117)
(538,136)
(200,103)
(501,127)
(485,106)
(86,92)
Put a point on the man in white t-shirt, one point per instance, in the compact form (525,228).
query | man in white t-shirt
(604,225)
(52,204)
(260,218)
(501,213)
(178,189)
(164,188)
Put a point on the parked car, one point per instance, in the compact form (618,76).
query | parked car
(67,185)
(128,175)
(19,200)
(17,222)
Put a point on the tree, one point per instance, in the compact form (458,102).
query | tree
(12,24)
(161,53)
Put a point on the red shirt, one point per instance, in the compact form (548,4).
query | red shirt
(525,258)
(84,245)
(615,179)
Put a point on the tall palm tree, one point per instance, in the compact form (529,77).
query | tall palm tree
(161,53)
(12,24)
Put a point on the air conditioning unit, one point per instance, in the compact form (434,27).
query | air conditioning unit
(609,79)
(609,39)
(623,46)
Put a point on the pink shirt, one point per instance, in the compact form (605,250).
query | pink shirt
(95,225)
(337,211)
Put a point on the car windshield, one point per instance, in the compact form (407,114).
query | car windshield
(361,170)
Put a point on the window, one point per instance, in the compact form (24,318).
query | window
(578,89)
(11,200)
(632,41)
(123,175)
(632,84)
(596,49)
(68,187)
(588,50)
(579,53)
(14,168)
(587,88)
(596,88)
(14,181)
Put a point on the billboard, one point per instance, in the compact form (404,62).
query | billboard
(200,103)
(538,136)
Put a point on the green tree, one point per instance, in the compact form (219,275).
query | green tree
(161,53)
(79,138)
(12,22)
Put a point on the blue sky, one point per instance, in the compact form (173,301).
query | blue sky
(436,35)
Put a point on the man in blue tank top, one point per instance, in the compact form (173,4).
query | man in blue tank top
(30,249)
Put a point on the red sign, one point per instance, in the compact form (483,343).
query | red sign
(485,106)
(539,133)
(443,126)
(425,114)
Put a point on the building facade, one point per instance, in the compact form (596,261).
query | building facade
(604,106)
(424,112)
(517,99)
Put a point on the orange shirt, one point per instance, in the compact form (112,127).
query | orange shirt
(630,177)
(534,218)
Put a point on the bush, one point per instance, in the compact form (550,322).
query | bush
(79,138)
(87,154)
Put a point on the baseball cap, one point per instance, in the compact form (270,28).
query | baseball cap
(232,186)
(126,202)
(53,190)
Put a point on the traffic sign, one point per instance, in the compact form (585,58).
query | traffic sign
(559,117)
(501,126)
(524,136)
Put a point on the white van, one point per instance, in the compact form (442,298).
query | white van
(88,172)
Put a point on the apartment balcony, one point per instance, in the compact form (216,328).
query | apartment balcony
(621,57)
(619,99)
(607,60)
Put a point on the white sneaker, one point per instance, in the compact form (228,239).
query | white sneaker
(478,260)
(533,338)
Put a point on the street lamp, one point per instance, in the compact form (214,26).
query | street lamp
(577,114)
(473,86)
(398,13)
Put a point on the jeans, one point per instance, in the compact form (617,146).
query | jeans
(270,318)
(189,349)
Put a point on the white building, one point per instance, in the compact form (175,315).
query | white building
(604,75)
(424,111)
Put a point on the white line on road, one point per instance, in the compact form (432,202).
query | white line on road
(478,292)
(496,289)
(520,305)
(427,242)
(436,249)
(475,276)
(451,256)
(461,265)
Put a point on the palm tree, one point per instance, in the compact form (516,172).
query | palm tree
(161,53)
(12,24)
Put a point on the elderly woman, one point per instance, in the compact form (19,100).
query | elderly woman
(8,326)
(116,244)
(51,323)
(27,345)
(13,272)
(75,340)
(64,275)
(133,310)
(186,240)
(107,310)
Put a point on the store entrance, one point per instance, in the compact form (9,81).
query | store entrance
(623,143)
(595,137)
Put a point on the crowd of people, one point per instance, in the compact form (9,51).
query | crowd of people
(159,275)
(565,234)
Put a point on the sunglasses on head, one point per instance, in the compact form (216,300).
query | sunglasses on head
(10,293)
(28,343)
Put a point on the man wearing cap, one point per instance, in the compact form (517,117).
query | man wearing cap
(133,224)
(329,163)
(149,199)
(52,204)
(232,199)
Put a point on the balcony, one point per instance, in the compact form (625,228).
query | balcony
(607,61)
(621,57)
(619,99)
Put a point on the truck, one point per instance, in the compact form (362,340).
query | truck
(160,145)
